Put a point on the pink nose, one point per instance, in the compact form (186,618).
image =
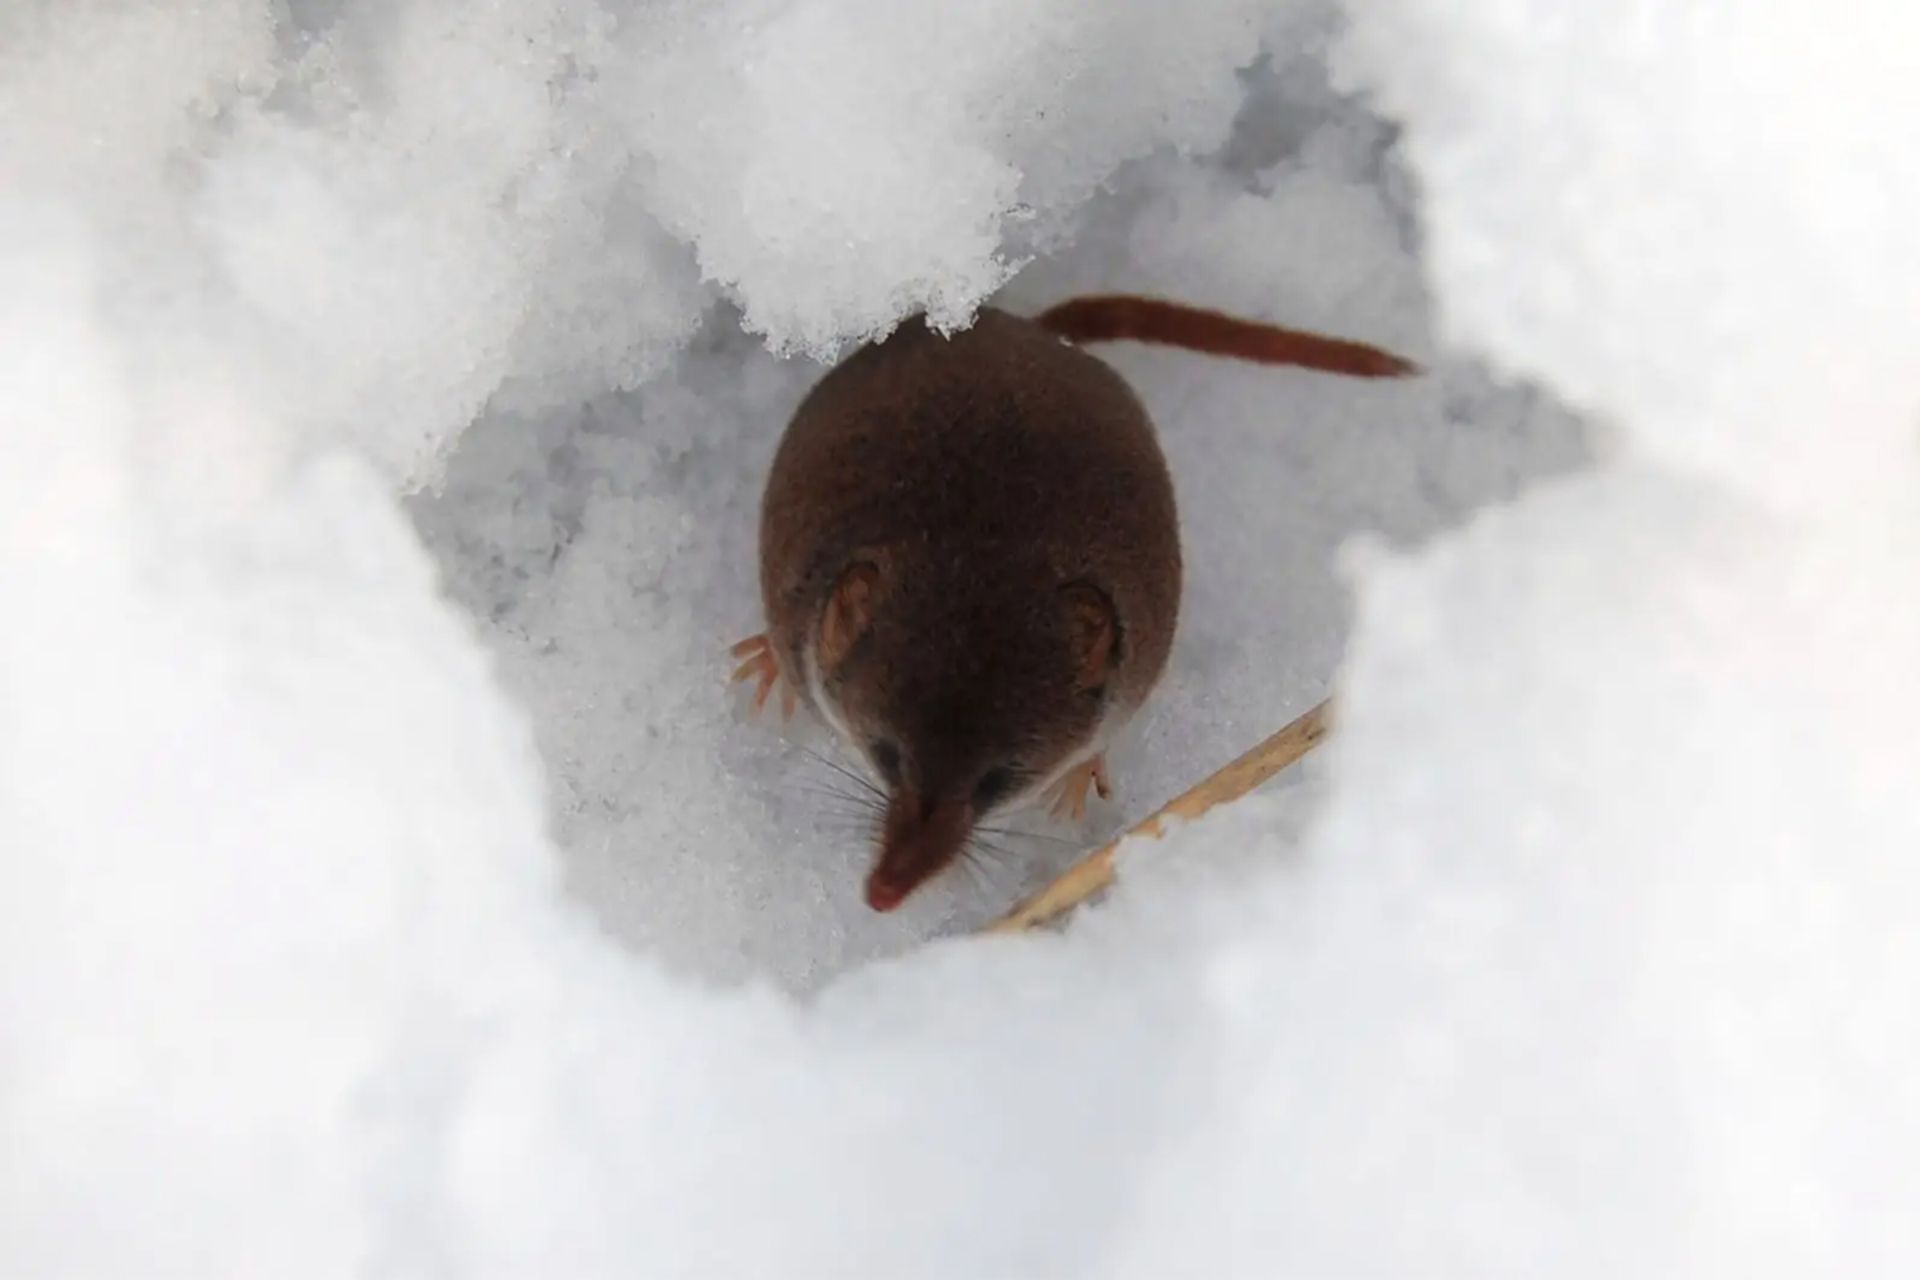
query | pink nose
(883,896)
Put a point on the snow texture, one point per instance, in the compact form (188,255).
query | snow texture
(389,885)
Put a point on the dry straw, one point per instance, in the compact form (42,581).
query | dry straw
(1095,871)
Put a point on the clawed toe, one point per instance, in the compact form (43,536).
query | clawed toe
(762,665)
(1070,793)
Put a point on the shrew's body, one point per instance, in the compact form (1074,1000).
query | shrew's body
(970,558)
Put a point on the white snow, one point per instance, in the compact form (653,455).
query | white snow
(388,883)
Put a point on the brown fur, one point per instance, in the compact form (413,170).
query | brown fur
(985,526)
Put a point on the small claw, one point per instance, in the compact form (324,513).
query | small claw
(1070,794)
(762,666)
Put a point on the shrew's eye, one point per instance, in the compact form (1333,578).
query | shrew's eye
(886,758)
(992,787)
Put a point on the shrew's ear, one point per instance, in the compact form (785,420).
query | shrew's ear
(849,613)
(1093,628)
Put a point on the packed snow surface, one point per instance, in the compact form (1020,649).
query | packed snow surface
(392,886)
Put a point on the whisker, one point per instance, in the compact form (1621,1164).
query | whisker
(984,847)
(852,775)
(846,809)
(863,803)
(1039,803)
(835,786)
(845,820)
(976,874)
(980,881)
(1001,853)
(845,831)
(835,814)
(1019,834)
(855,817)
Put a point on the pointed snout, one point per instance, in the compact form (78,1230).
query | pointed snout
(919,837)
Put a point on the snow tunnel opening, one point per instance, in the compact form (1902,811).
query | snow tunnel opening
(607,549)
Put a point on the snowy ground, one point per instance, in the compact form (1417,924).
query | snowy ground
(389,884)
(610,548)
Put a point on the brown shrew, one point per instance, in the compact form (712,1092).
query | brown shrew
(970,558)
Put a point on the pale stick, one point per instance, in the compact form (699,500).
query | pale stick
(1095,871)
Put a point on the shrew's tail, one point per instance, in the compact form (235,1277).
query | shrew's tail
(1120,317)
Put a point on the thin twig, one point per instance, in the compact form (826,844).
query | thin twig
(1095,871)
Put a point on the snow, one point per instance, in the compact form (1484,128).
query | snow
(390,884)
